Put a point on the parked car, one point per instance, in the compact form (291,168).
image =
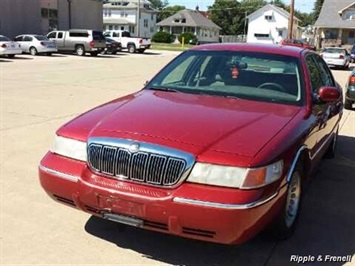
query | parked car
(36,44)
(79,41)
(132,44)
(350,91)
(112,47)
(352,54)
(336,57)
(8,47)
(216,147)
(298,43)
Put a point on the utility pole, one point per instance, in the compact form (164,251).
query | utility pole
(290,21)
(69,13)
(138,17)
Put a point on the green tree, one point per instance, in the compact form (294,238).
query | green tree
(226,14)
(169,11)
(159,4)
(316,9)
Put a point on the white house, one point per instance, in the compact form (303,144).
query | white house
(194,21)
(123,15)
(269,24)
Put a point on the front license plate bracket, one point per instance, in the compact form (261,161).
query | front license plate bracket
(122,219)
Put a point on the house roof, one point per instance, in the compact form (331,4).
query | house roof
(127,4)
(193,19)
(329,16)
(275,8)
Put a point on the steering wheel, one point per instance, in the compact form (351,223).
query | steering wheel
(273,86)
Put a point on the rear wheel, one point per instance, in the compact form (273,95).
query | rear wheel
(141,51)
(348,104)
(131,48)
(33,50)
(80,50)
(285,223)
(93,53)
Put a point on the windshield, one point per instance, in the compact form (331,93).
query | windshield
(41,38)
(334,51)
(246,75)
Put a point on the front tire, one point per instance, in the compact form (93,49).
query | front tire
(80,50)
(33,51)
(285,224)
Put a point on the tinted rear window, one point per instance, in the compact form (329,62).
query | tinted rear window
(78,34)
(4,39)
(334,51)
(41,38)
(97,35)
(126,34)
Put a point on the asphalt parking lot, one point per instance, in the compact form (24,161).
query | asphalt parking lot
(38,94)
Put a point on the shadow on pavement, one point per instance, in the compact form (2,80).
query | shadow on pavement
(326,226)
(22,58)
(5,61)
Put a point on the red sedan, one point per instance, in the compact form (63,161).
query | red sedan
(216,147)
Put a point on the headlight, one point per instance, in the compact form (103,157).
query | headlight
(71,148)
(236,177)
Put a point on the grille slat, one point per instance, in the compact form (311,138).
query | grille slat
(141,166)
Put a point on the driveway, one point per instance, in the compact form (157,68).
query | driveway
(38,94)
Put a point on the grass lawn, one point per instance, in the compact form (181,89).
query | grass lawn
(170,46)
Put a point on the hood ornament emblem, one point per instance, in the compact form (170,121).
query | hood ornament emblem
(134,147)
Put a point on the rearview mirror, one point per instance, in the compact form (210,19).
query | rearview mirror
(329,94)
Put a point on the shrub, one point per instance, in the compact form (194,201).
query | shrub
(162,37)
(189,37)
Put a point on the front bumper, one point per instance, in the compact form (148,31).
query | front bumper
(208,213)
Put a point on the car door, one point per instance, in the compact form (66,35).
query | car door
(26,43)
(60,40)
(19,40)
(320,76)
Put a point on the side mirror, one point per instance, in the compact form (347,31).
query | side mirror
(329,94)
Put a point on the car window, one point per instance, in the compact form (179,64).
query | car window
(60,35)
(97,35)
(78,34)
(52,35)
(126,34)
(18,39)
(107,34)
(325,73)
(315,74)
(255,76)
(27,39)
(41,38)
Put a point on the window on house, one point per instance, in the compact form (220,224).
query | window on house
(110,27)
(183,20)
(44,12)
(268,17)
(176,20)
(109,12)
(122,28)
(122,14)
(145,23)
(152,17)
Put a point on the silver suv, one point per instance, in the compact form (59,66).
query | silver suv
(79,41)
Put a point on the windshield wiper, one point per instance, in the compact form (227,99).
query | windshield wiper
(163,89)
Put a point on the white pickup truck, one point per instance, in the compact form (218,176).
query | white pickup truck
(132,44)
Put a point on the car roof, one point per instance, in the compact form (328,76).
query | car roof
(252,47)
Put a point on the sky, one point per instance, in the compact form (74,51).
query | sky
(301,5)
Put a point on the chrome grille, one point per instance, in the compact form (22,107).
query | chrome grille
(143,166)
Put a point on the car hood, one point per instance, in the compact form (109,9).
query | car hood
(194,123)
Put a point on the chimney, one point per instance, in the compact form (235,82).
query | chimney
(197,8)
